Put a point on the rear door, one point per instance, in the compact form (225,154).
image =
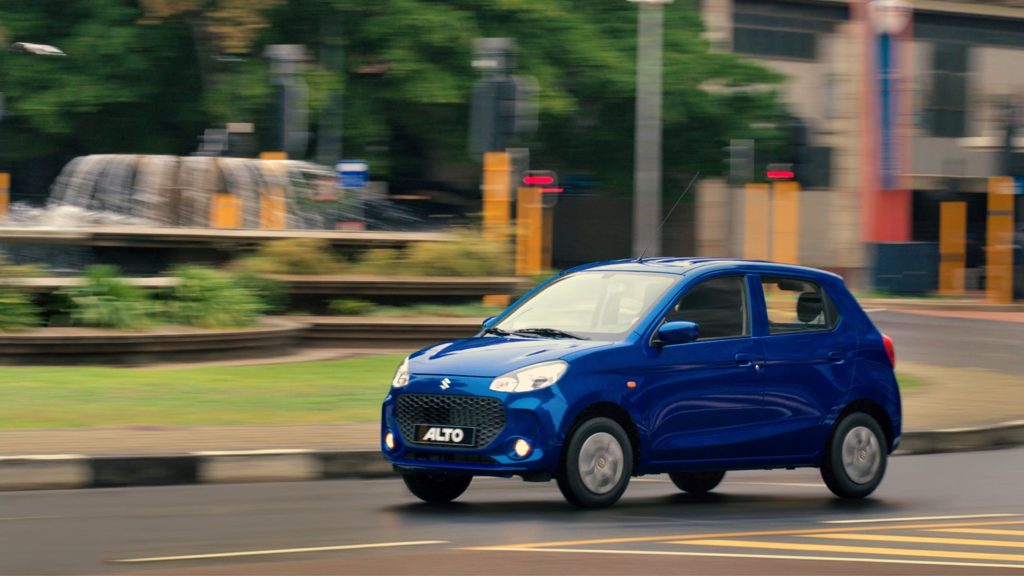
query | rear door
(808,364)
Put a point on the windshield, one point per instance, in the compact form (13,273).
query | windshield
(592,305)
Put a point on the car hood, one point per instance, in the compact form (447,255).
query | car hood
(493,356)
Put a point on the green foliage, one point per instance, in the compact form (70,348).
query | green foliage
(106,301)
(306,256)
(472,310)
(469,255)
(269,291)
(351,307)
(380,261)
(17,311)
(8,270)
(208,298)
(358,307)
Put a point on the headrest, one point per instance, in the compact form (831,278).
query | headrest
(809,306)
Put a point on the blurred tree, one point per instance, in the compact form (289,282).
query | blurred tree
(409,75)
(218,27)
(406,77)
(121,87)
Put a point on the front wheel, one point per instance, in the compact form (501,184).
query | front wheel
(436,488)
(597,465)
(857,453)
(697,482)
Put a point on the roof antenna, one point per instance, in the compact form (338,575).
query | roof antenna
(667,216)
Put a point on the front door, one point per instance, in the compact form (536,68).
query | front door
(703,399)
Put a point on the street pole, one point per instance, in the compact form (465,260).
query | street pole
(647,141)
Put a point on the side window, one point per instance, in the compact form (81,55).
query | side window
(797,306)
(718,306)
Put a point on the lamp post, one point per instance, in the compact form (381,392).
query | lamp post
(647,142)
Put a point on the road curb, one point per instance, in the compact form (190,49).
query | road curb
(1005,435)
(938,305)
(69,471)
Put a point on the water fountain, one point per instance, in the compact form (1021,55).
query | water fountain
(144,212)
(178,191)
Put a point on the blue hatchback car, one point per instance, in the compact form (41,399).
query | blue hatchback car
(685,366)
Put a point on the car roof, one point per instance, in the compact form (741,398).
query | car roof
(684,265)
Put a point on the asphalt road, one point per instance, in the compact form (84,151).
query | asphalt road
(940,514)
(954,342)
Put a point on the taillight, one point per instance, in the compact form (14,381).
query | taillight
(889,349)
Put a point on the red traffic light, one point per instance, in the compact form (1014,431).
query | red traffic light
(538,180)
(780,171)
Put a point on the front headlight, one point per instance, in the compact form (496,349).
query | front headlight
(530,378)
(401,375)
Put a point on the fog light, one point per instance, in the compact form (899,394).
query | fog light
(389,441)
(522,448)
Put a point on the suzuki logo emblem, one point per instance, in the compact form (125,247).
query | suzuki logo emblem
(445,384)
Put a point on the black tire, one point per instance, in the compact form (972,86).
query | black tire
(436,488)
(607,471)
(867,450)
(697,482)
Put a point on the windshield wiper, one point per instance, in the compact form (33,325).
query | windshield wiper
(496,331)
(549,332)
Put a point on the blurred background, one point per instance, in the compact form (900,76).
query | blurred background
(224,223)
(881,125)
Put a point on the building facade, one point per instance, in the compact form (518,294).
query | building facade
(906,105)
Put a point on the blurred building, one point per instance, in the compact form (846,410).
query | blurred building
(892,129)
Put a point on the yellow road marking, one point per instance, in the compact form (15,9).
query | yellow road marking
(916,518)
(920,540)
(747,555)
(856,550)
(793,532)
(992,531)
(280,551)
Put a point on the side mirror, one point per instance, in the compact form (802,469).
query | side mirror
(678,332)
(488,321)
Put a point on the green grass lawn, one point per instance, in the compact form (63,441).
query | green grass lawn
(302,393)
(908,382)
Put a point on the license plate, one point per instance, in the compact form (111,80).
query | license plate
(445,435)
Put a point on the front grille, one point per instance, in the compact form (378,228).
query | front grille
(487,415)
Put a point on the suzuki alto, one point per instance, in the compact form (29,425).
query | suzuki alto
(685,366)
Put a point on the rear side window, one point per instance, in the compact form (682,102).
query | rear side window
(718,307)
(797,305)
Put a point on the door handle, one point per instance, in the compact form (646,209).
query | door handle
(744,360)
(836,357)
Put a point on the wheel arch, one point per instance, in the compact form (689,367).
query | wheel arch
(871,408)
(614,412)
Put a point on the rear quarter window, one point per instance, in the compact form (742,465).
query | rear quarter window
(796,305)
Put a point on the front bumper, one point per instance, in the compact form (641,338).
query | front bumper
(532,417)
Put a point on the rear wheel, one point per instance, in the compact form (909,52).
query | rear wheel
(697,482)
(597,465)
(857,454)
(436,488)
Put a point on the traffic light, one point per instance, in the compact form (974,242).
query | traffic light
(780,171)
(547,181)
(741,161)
